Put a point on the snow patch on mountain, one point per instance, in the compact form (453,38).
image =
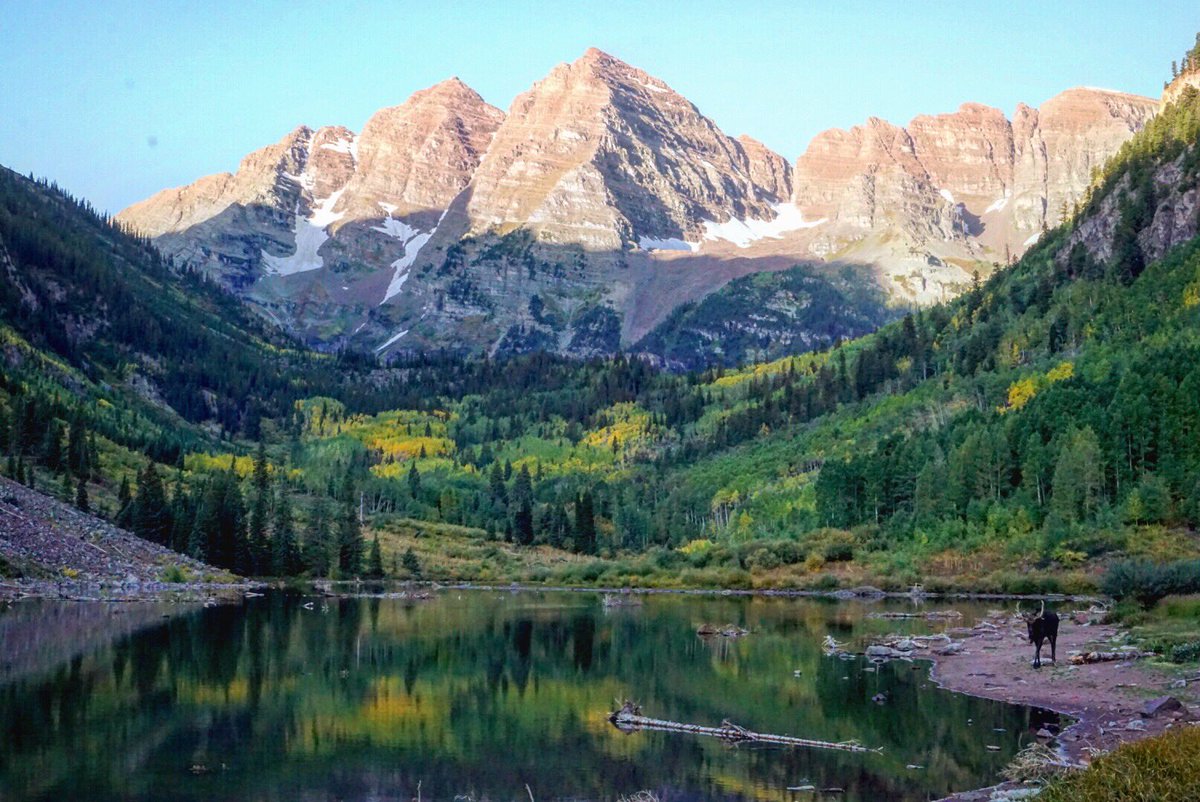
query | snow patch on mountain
(741,233)
(396,228)
(341,146)
(414,240)
(391,340)
(310,235)
(947,194)
(997,205)
(666,244)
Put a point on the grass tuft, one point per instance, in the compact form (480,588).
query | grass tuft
(1159,769)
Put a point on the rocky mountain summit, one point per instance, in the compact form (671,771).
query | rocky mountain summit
(603,200)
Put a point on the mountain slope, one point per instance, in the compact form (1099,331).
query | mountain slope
(766,316)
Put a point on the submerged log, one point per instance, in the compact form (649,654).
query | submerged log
(629,717)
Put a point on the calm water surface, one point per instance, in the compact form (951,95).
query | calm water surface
(476,694)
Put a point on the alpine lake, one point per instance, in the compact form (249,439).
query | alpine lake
(478,695)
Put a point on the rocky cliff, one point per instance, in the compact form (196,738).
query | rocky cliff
(949,194)
(601,154)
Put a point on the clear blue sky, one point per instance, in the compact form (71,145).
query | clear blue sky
(116,100)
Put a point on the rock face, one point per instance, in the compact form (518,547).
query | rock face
(281,213)
(416,158)
(601,154)
(925,201)
(602,200)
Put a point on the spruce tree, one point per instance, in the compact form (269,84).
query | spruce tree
(285,555)
(124,517)
(151,518)
(350,543)
(585,524)
(258,560)
(81,496)
(318,540)
(411,564)
(375,560)
(414,481)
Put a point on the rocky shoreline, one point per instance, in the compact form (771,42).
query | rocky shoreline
(1110,703)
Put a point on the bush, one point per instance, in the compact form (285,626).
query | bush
(1148,582)
(839,552)
(762,559)
(1185,652)
(1162,769)
(789,552)
(175,574)
(826,582)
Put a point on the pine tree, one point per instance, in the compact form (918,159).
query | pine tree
(349,534)
(375,560)
(414,481)
(124,517)
(220,530)
(81,496)
(285,554)
(258,560)
(77,446)
(585,524)
(151,518)
(411,564)
(318,540)
(522,496)
(496,483)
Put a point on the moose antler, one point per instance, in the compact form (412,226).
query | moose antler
(1041,612)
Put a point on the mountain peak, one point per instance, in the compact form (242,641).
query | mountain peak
(594,55)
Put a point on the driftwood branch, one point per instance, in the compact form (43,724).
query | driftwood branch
(629,717)
(1108,657)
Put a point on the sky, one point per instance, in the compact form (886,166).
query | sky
(116,100)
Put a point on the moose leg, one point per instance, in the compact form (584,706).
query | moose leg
(1054,649)
(1037,654)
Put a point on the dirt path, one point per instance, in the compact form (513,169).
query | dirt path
(1106,699)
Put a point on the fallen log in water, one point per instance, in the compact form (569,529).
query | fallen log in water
(629,717)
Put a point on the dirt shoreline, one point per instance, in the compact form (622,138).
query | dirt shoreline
(132,590)
(1104,699)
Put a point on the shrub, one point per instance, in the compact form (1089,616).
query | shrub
(826,582)
(789,552)
(1185,652)
(175,574)
(762,559)
(1148,582)
(839,552)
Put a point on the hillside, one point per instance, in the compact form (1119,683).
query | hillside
(41,538)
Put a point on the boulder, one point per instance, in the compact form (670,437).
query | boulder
(1163,704)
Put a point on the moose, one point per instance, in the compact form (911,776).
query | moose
(1042,627)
